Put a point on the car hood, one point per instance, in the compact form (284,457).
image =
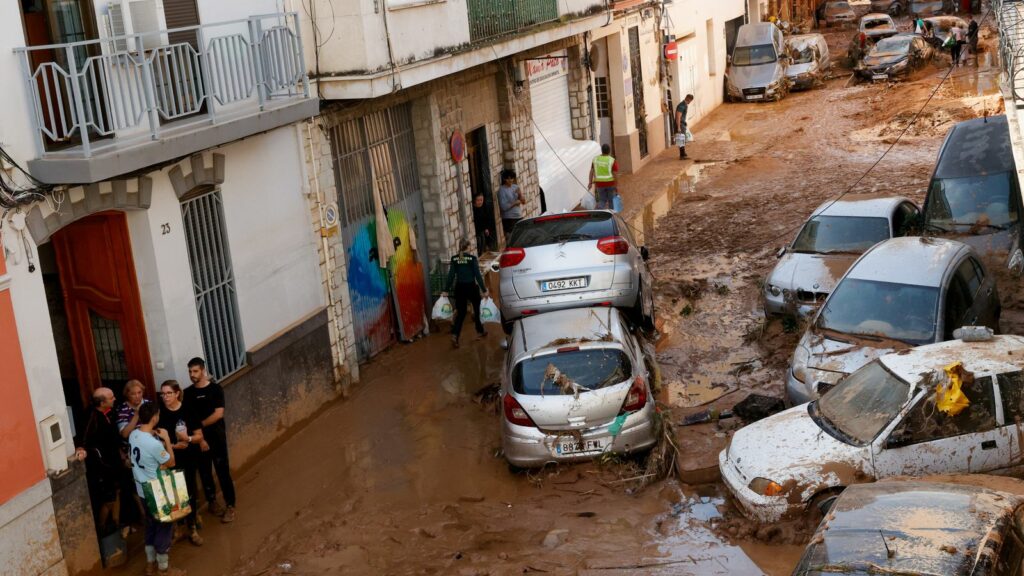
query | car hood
(811,272)
(838,358)
(758,76)
(789,448)
(884,59)
(798,69)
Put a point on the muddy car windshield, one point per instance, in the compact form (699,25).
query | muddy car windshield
(893,45)
(875,310)
(877,25)
(565,373)
(836,234)
(956,204)
(862,404)
(568,227)
(753,55)
(804,55)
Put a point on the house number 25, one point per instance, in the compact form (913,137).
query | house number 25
(165,229)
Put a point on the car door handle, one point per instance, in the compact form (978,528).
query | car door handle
(988,444)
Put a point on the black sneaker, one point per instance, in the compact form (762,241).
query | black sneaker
(455,341)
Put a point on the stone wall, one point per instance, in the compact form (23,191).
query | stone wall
(579,94)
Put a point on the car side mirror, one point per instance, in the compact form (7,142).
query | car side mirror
(897,439)
(645,253)
(780,252)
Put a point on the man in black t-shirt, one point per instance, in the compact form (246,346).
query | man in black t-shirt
(207,398)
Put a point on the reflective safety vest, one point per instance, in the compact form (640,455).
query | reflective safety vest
(603,169)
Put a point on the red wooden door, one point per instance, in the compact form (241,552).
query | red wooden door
(101,297)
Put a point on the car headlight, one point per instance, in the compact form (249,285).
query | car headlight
(774,290)
(765,487)
(899,65)
(800,358)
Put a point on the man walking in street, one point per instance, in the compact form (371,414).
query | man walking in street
(510,200)
(956,37)
(681,111)
(464,276)
(151,451)
(207,400)
(602,178)
(972,39)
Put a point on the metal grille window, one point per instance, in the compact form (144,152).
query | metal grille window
(601,94)
(106,336)
(213,282)
(379,144)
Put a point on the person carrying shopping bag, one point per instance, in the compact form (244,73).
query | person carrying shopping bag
(465,280)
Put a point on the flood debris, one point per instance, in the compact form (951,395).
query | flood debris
(758,406)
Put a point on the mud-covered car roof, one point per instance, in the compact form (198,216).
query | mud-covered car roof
(1003,353)
(571,325)
(800,41)
(863,207)
(976,147)
(908,260)
(934,528)
(756,34)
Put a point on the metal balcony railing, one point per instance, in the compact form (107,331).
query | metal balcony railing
(491,18)
(131,86)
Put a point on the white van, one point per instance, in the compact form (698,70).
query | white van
(757,66)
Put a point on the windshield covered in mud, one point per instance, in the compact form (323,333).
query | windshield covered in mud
(875,310)
(753,55)
(957,204)
(862,403)
(572,371)
(832,234)
(568,227)
(877,25)
(892,45)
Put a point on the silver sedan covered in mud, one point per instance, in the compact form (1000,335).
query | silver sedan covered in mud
(827,244)
(884,420)
(576,385)
(902,292)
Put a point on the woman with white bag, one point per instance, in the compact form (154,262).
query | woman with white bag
(468,284)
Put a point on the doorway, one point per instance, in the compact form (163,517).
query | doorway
(602,93)
(636,73)
(99,328)
(480,184)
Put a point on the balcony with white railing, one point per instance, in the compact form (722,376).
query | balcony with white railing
(118,104)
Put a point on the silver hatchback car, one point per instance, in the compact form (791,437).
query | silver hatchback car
(576,384)
(571,260)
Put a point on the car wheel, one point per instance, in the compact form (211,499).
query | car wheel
(506,326)
(821,504)
(637,316)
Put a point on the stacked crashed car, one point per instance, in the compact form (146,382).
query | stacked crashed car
(894,57)
(574,259)
(877,26)
(576,385)
(886,419)
(838,13)
(915,527)
(757,65)
(810,62)
(901,293)
(832,238)
(974,196)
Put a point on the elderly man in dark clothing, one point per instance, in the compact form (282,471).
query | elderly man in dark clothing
(101,450)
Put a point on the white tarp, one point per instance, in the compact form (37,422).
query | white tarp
(564,187)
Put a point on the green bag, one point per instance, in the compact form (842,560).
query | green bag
(166,496)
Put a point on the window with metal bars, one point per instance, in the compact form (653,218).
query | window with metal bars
(213,282)
(601,95)
(380,144)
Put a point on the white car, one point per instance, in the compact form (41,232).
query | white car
(837,232)
(882,421)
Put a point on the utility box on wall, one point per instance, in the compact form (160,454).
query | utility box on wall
(54,441)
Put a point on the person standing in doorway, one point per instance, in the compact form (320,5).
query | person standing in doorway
(510,200)
(483,223)
(182,425)
(681,111)
(150,450)
(103,464)
(465,279)
(206,397)
(602,178)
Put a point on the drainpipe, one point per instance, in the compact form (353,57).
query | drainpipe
(324,243)
(395,68)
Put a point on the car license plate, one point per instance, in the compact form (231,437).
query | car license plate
(755,97)
(563,284)
(879,76)
(571,446)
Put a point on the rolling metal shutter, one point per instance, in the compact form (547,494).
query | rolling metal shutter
(178,14)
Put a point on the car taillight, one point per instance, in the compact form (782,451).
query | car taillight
(511,257)
(636,398)
(613,245)
(514,413)
(529,312)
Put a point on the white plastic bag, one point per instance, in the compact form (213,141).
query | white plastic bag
(680,139)
(489,311)
(588,202)
(442,309)
(689,136)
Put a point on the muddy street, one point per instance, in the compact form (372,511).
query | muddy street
(406,475)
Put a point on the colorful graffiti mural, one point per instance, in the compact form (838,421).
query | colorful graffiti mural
(370,286)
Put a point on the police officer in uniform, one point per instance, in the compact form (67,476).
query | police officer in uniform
(602,177)
(468,284)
